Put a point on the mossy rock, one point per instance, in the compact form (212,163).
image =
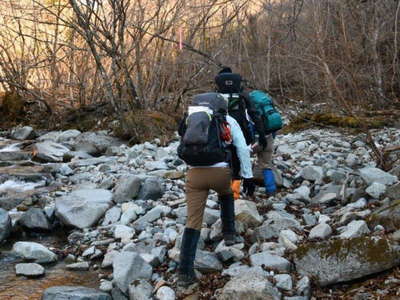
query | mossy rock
(139,126)
(307,120)
(343,260)
(388,217)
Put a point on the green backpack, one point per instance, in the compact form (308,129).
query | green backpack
(263,103)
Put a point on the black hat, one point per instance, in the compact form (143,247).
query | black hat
(225,70)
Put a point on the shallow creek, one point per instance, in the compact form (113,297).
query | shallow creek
(20,287)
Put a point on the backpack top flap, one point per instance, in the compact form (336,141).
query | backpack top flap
(229,82)
(214,101)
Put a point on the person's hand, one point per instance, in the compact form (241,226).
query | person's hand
(248,186)
(262,141)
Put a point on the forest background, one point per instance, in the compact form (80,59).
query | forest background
(127,59)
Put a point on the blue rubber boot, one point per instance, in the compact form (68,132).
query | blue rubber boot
(269,182)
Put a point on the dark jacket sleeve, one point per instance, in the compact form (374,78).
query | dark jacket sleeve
(254,115)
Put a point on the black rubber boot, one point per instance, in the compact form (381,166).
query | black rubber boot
(228,219)
(186,275)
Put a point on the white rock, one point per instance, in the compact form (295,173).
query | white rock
(29,270)
(34,251)
(284,281)
(371,175)
(165,293)
(247,213)
(376,189)
(320,231)
(355,229)
(123,232)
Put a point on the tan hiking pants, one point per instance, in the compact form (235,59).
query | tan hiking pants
(264,158)
(198,183)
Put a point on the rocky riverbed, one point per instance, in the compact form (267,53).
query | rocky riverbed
(331,231)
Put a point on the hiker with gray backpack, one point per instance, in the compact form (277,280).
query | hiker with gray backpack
(256,112)
(208,136)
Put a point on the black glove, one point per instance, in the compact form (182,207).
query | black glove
(249,186)
(262,141)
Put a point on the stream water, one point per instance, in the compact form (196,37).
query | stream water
(20,287)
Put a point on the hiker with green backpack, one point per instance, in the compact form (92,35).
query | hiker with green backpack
(208,136)
(256,112)
(272,123)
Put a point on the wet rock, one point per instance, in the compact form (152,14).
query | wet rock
(165,293)
(249,286)
(376,189)
(321,231)
(34,251)
(79,266)
(127,188)
(343,260)
(247,213)
(271,261)
(22,133)
(140,290)
(129,266)
(5,224)
(29,269)
(50,151)
(14,156)
(74,292)
(35,219)
(355,229)
(83,208)
(371,175)
(105,286)
(152,188)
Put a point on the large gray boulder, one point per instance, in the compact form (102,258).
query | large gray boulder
(249,286)
(371,175)
(5,224)
(74,293)
(152,188)
(94,143)
(127,188)
(83,208)
(34,251)
(22,133)
(35,219)
(129,266)
(49,151)
(336,261)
